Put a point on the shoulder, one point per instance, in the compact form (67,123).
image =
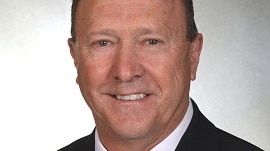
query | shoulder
(208,137)
(82,144)
(231,142)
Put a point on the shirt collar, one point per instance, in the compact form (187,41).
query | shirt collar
(170,142)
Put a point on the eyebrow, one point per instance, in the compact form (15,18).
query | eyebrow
(143,31)
(106,32)
(137,32)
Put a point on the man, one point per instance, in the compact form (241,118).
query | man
(135,60)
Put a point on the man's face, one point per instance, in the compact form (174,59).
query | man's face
(134,65)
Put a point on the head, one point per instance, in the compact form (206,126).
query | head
(135,60)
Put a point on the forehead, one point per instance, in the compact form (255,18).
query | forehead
(93,8)
(131,6)
(159,14)
(128,3)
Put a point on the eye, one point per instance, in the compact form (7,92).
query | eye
(103,43)
(153,41)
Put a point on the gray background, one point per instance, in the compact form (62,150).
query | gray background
(41,107)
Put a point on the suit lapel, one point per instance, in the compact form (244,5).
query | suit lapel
(201,134)
(89,144)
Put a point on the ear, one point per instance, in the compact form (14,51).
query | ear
(73,51)
(195,51)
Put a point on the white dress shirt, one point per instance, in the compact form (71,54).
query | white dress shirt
(169,143)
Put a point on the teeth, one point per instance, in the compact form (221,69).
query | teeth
(130,97)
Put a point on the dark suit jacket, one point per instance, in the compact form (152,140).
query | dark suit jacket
(201,135)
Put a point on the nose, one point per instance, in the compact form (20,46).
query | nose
(127,65)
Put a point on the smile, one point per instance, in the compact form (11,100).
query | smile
(130,97)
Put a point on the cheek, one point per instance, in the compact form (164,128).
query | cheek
(94,67)
(171,73)
(92,74)
(170,70)
(168,76)
(91,78)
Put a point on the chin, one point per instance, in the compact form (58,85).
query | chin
(134,131)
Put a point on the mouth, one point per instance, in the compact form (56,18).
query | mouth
(130,97)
